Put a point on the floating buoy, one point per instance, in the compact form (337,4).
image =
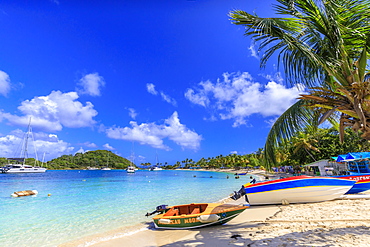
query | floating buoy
(49,194)
(25,193)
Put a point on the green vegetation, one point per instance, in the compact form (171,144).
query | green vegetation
(324,46)
(98,158)
(303,148)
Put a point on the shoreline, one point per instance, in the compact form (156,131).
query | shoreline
(342,222)
(132,235)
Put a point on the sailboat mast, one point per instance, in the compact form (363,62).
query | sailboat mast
(26,142)
(133,154)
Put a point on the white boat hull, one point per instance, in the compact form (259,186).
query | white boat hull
(130,169)
(25,170)
(297,195)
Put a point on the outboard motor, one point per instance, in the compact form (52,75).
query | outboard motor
(238,194)
(159,209)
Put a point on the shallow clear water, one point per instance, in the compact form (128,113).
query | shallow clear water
(84,203)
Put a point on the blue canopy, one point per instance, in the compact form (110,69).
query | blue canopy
(353,156)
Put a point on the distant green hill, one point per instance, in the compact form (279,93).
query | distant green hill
(97,158)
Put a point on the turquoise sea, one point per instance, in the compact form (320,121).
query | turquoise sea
(86,203)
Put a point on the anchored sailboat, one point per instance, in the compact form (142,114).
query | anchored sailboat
(21,167)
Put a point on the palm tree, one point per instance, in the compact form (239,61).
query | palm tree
(323,45)
(304,141)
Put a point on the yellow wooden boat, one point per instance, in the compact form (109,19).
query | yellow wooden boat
(195,215)
(25,193)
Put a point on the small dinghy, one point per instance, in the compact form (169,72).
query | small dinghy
(25,193)
(195,215)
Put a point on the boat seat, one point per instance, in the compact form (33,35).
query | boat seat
(196,211)
(172,212)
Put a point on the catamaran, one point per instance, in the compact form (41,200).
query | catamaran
(21,167)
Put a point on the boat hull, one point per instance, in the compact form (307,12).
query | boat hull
(362,182)
(24,170)
(214,216)
(300,189)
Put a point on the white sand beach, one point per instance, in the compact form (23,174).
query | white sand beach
(342,222)
(333,223)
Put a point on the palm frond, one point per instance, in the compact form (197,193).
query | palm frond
(293,120)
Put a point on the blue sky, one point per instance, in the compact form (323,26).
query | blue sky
(172,78)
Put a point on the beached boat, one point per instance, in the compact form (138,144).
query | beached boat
(195,215)
(21,167)
(354,166)
(362,182)
(297,189)
(130,169)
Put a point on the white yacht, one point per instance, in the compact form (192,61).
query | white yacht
(92,168)
(156,168)
(106,168)
(21,167)
(130,169)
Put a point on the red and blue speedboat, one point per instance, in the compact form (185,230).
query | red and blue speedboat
(362,182)
(297,189)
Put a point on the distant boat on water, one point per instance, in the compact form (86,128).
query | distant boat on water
(106,168)
(131,169)
(155,168)
(297,189)
(91,168)
(21,167)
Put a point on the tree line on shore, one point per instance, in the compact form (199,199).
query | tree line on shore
(303,148)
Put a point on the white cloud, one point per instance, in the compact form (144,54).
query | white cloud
(132,113)
(89,144)
(90,84)
(168,99)
(52,112)
(109,147)
(153,135)
(48,144)
(253,51)
(4,83)
(237,97)
(81,151)
(151,89)
(199,98)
